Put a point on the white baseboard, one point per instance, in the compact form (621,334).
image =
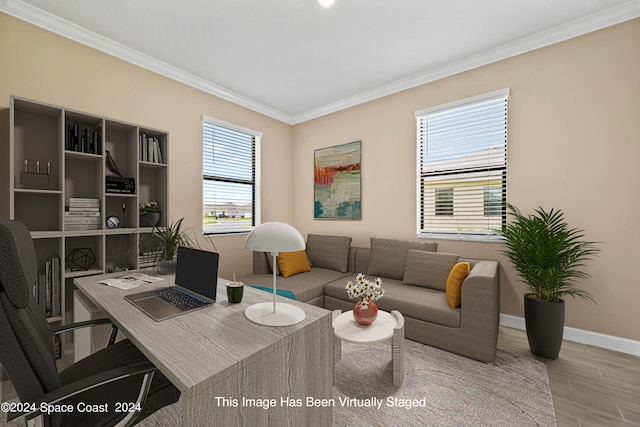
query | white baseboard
(596,339)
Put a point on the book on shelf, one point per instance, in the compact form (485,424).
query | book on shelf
(84,141)
(150,150)
(82,213)
(82,202)
(149,257)
(76,227)
(69,209)
(82,220)
(47,290)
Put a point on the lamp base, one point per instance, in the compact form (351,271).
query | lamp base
(285,314)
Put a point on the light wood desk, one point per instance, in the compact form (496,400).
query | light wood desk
(216,353)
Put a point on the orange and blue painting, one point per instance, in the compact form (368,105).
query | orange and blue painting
(337,184)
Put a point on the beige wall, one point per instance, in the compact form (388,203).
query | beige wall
(42,66)
(574,127)
(574,144)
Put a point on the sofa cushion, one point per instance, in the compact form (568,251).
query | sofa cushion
(290,263)
(415,302)
(458,273)
(329,251)
(305,287)
(428,269)
(388,256)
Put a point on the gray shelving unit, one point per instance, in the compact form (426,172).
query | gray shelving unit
(44,168)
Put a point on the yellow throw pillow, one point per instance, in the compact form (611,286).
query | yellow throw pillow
(291,263)
(458,273)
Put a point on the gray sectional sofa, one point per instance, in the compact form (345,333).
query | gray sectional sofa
(414,277)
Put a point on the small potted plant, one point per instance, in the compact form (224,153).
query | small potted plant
(367,292)
(149,214)
(165,241)
(549,257)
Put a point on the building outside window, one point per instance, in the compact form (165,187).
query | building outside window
(444,201)
(230,177)
(462,167)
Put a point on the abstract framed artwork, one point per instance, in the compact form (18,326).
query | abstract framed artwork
(337,182)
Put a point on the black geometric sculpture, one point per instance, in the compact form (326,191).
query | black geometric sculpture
(80,259)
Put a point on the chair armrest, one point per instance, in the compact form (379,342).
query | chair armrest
(144,369)
(66,328)
(78,325)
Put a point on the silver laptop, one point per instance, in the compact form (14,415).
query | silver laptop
(195,286)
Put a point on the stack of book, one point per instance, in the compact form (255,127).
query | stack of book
(147,259)
(82,214)
(46,290)
(150,149)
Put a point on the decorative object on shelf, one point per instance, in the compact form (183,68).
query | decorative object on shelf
(149,214)
(337,185)
(80,259)
(549,257)
(115,182)
(166,240)
(110,163)
(274,237)
(367,292)
(112,220)
(36,179)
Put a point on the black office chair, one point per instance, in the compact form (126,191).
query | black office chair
(117,373)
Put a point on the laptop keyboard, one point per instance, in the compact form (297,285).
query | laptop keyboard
(179,298)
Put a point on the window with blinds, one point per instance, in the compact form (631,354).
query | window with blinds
(462,167)
(231,177)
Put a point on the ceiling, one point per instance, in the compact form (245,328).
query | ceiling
(294,61)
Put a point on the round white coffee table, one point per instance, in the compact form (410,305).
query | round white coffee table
(386,326)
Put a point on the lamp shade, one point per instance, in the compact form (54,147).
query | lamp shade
(274,237)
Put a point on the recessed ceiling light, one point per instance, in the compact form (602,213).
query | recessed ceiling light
(326,3)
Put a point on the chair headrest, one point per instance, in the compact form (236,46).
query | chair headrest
(18,262)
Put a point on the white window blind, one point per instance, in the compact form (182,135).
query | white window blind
(462,167)
(231,177)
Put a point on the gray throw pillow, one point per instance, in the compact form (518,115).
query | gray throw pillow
(388,256)
(428,269)
(329,251)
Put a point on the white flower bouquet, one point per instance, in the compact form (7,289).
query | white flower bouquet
(365,289)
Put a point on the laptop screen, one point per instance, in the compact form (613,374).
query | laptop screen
(197,270)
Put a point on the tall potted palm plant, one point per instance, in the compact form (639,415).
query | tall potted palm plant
(549,257)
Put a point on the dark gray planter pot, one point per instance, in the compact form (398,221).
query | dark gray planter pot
(167,266)
(545,325)
(150,219)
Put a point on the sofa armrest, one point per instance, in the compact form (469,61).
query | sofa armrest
(260,263)
(482,285)
(481,295)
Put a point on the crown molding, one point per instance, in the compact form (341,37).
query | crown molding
(625,12)
(610,17)
(69,30)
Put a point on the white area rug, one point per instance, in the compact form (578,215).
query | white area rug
(439,389)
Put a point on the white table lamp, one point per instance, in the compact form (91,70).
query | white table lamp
(274,237)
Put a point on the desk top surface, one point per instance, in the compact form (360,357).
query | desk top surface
(197,349)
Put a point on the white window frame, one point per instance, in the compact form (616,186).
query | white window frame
(421,229)
(257,135)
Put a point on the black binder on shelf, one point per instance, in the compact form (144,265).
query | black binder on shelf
(117,184)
